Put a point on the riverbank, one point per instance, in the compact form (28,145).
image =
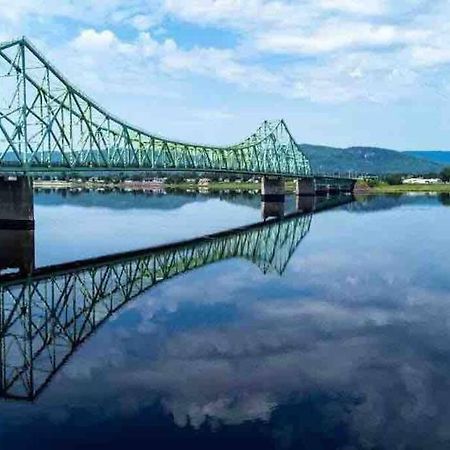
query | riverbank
(361,188)
(138,185)
(221,186)
(97,185)
(405,188)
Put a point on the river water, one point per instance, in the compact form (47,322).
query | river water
(338,338)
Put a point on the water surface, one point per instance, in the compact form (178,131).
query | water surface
(349,347)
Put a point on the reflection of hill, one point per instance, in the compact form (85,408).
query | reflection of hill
(137,200)
(141,200)
(115,200)
(377,203)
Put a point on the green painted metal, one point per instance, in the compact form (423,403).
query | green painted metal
(46,124)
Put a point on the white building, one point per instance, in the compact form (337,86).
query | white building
(420,180)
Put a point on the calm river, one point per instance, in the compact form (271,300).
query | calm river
(332,336)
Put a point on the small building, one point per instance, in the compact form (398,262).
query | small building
(204,181)
(420,180)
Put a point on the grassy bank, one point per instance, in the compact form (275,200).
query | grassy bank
(361,187)
(404,188)
(220,186)
(212,187)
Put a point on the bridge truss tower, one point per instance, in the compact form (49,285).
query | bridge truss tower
(47,124)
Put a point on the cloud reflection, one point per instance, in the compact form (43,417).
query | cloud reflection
(356,335)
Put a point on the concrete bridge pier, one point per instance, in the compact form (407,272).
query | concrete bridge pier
(324,187)
(272,197)
(348,187)
(272,189)
(305,187)
(16,203)
(16,225)
(272,209)
(17,251)
(334,189)
(305,203)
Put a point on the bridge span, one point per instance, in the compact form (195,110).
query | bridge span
(47,125)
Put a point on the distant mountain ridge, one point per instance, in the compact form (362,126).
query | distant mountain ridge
(370,160)
(438,156)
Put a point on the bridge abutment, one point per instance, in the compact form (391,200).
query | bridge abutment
(17,251)
(16,224)
(272,197)
(16,203)
(272,209)
(272,189)
(305,203)
(305,186)
(323,186)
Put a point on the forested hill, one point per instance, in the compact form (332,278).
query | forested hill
(439,156)
(369,160)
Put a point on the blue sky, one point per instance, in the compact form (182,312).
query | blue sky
(340,72)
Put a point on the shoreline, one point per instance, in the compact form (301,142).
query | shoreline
(149,186)
(404,188)
(232,186)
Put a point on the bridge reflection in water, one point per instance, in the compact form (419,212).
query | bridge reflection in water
(47,314)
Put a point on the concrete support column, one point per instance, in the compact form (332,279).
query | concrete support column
(272,209)
(272,197)
(334,189)
(16,203)
(306,203)
(272,189)
(305,186)
(349,187)
(17,251)
(16,225)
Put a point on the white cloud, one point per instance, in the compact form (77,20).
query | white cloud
(336,35)
(89,11)
(145,55)
(92,40)
(332,50)
(240,14)
(364,7)
(143,22)
(430,56)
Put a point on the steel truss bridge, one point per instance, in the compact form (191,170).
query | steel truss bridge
(46,124)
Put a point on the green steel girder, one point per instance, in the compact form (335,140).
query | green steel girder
(47,124)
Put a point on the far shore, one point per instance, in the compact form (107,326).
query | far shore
(231,186)
(404,188)
(139,185)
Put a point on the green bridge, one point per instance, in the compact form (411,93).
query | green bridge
(47,124)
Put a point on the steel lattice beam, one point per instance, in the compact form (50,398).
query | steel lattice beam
(47,124)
